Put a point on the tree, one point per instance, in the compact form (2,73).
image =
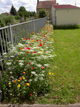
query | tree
(13,10)
(22,9)
(42,13)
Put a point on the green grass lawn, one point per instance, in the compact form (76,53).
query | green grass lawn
(66,68)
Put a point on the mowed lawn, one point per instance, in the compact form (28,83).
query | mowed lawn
(66,68)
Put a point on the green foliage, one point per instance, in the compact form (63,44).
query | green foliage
(9,19)
(42,13)
(13,10)
(17,17)
(2,23)
(22,9)
(75,26)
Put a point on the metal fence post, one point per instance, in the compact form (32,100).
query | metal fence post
(11,33)
(0,87)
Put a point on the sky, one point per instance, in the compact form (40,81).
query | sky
(30,5)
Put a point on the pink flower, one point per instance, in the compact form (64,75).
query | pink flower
(42,67)
(25,48)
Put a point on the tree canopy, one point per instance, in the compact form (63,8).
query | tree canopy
(13,10)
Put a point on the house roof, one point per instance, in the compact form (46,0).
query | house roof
(64,6)
(46,4)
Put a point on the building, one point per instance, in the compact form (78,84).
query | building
(47,5)
(65,14)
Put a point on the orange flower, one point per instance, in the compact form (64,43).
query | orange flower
(38,53)
(14,80)
(21,48)
(20,78)
(24,72)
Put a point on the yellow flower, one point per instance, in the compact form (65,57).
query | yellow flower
(50,77)
(18,43)
(49,73)
(9,82)
(42,51)
(19,85)
(50,44)
(27,84)
(19,60)
(52,73)
(18,80)
(23,78)
(8,60)
(31,74)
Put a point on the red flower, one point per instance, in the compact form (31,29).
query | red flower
(34,51)
(37,40)
(28,48)
(29,39)
(32,67)
(30,94)
(43,36)
(29,63)
(40,45)
(30,44)
(55,40)
(31,52)
(27,52)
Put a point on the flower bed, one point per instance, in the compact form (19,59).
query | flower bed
(27,66)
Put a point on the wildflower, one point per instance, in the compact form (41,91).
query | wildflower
(42,67)
(12,56)
(30,94)
(49,73)
(29,63)
(8,63)
(27,84)
(29,39)
(31,52)
(12,68)
(25,48)
(14,80)
(8,60)
(24,72)
(21,48)
(27,52)
(32,68)
(20,78)
(23,78)
(34,51)
(31,74)
(9,82)
(38,53)
(40,45)
(21,63)
(19,85)
(52,73)
(28,48)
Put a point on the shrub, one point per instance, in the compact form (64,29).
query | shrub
(75,26)
(17,17)
(2,23)
(9,19)
(42,13)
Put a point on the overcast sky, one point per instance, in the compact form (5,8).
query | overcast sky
(30,5)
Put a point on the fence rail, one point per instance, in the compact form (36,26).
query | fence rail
(13,33)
